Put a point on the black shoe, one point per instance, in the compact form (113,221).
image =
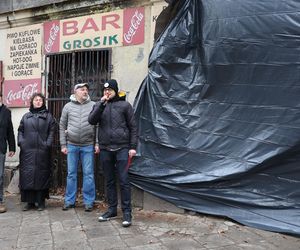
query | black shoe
(41,206)
(107,215)
(126,220)
(67,206)
(2,207)
(88,208)
(28,206)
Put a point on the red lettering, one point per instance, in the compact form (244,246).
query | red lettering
(88,25)
(70,28)
(110,19)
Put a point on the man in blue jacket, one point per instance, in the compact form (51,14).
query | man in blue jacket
(6,137)
(117,139)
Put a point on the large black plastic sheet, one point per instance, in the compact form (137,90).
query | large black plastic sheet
(219,113)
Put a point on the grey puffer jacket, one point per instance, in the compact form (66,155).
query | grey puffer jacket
(74,127)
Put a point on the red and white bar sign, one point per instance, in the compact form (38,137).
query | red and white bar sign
(112,29)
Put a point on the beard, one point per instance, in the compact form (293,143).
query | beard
(85,97)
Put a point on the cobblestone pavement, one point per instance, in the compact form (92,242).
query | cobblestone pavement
(76,229)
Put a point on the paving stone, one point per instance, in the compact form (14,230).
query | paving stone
(248,246)
(8,244)
(71,224)
(9,233)
(56,226)
(92,232)
(181,243)
(10,219)
(242,235)
(90,218)
(157,246)
(214,241)
(75,229)
(71,245)
(140,240)
(58,214)
(35,229)
(43,247)
(156,231)
(133,230)
(285,242)
(35,217)
(106,229)
(34,240)
(74,234)
(108,242)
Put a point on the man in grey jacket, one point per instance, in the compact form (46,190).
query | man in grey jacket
(77,140)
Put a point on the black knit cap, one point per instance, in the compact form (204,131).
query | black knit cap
(112,84)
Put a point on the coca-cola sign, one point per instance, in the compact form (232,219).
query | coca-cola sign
(134,23)
(51,36)
(18,93)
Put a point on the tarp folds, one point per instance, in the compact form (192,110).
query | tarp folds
(219,113)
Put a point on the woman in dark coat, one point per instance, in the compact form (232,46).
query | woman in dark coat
(35,137)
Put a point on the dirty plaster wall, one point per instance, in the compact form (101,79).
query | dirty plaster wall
(130,64)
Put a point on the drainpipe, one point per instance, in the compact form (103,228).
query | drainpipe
(12,11)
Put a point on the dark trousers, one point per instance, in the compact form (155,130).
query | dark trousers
(115,162)
(2,163)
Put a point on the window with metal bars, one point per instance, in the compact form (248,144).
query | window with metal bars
(63,72)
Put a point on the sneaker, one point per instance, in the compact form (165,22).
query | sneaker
(126,220)
(107,215)
(67,206)
(28,206)
(88,208)
(2,208)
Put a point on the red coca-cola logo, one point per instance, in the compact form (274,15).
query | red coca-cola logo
(22,95)
(134,26)
(51,36)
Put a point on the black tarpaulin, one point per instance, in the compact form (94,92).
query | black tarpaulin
(219,112)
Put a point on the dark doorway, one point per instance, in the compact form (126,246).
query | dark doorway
(64,71)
